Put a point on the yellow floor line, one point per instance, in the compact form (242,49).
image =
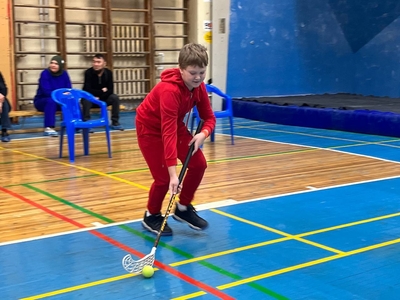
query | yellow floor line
(254,278)
(277,231)
(79,287)
(308,264)
(82,169)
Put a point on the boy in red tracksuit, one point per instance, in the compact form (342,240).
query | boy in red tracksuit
(163,137)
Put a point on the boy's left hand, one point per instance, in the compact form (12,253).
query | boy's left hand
(198,140)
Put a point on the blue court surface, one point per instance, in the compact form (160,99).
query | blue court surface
(338,242)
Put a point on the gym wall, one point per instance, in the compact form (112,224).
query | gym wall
(288,47)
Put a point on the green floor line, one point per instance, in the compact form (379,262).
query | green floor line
(17,161)
(161,243)
(51,180)
(211,161)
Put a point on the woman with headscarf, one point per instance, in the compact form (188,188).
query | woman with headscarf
(4,110)
(52,78)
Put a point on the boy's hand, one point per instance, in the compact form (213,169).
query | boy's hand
(198,140)
(174,186)
(173,181)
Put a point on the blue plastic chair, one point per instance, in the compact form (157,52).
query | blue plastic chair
(227,113)
(69,99)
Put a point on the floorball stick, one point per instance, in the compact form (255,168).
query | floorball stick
(136,266)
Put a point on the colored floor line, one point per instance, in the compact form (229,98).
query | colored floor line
(308,264)
(17,161)
(83,169)
(278,240)
(358,143)
(347,146)
(210,161)
(292,268)
(124,247)
(51,180)
(78,177)
(282,239)
(321,136)
(296,267)
(108,174)
(270,229)
(299,235)
(331,148)
(86,285)
(161,243)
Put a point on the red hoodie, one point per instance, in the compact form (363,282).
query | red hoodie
(164,108)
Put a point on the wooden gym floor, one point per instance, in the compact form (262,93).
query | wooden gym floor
(294,213)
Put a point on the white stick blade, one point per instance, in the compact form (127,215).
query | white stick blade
(136,266)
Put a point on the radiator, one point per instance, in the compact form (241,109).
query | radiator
(93,46)
(130,83)
(124,40)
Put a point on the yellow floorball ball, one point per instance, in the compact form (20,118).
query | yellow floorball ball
(148,271)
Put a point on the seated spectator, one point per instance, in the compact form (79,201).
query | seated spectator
(99,82)
(5,108)
(52,78)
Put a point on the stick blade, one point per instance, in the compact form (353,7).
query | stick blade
(136,266)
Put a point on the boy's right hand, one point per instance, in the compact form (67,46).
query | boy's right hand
(174,186)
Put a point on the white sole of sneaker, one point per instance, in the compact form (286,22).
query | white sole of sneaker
(148,228)
(190,225)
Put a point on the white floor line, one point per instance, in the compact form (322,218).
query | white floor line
(98,225)
(321,148)
(68,232)
(57,138)
(215,204)
(231,201)
(311,187)
(316,189)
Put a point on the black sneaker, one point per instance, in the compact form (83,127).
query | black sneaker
(153,224)
(190,217)
(117,126)
(79,130)
(5,137)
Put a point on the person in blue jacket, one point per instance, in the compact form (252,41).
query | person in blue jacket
(5,108)
(52,78)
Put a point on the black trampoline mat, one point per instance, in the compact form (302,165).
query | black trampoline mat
(337,101)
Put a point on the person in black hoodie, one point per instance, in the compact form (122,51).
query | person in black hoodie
(5,108)
(99,83)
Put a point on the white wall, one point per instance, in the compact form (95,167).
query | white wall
(219,49)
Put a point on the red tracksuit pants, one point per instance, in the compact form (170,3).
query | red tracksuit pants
(152,149)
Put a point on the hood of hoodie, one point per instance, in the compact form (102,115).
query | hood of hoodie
(173,76)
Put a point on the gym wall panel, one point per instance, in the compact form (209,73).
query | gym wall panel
(377,71)
(288,47)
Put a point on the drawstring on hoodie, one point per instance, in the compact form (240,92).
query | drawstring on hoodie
(190,112)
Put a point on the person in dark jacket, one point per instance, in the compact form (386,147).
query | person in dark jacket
(99,82)
(52,78)
(5,108)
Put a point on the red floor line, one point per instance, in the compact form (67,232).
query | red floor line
(106,238)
